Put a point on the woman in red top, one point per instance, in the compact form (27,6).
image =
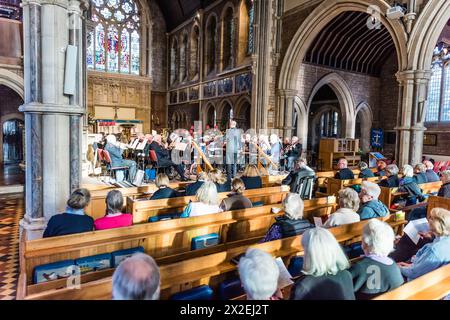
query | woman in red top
(114,217)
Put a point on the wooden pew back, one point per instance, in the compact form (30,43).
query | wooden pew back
(335,185)
(159,239)
(209,269)
(142,210)
(388,195)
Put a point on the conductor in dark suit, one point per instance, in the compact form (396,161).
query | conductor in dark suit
(233,148)
(163,156)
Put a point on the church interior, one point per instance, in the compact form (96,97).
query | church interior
(208,141)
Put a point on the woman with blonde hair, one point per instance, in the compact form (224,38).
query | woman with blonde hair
(164,191)
(325,274)
(220,180)
(435,254)
(252,177)
(235,200)
(207,202)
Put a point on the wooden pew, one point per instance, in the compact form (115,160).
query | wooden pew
(388,195)
(335,185)
(142,210)
(97,207)
(167,241)
(323,175)
(209,269)
(434,285)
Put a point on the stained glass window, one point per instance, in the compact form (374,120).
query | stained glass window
(114,44)
(438,109)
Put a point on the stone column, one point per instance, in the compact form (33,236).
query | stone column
(286,107)
(52,118)
(411,115)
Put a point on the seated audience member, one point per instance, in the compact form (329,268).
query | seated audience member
(370,206)
(348,205)
(444,191)
(431,175)
(164,191)
(114,217)
(407,184)
(344,173)
(220,180)
(259,275)
(419,174)
(136,278)
(435,254)
(251,177)
(191,189)
(365,171)
(207,202)
(300,170)
(392,180)
(292,222)
(377,242)
(405,248)
(325,274)
(73,220)
(381,166)
(235,200)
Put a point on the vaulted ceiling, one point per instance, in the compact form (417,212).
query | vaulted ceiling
(177,11)
(348,43)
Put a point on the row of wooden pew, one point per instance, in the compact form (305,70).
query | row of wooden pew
(211,266)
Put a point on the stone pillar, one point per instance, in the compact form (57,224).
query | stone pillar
(52,118)
(411,115)
(286,106)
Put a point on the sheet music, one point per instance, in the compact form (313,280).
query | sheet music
(142,145)
(285,278)
(135,143)
(413,228)
(180,146)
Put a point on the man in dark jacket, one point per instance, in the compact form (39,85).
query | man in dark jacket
(365,171)
(294,151)
(392,181)
(370,206)
(431,175)
(344,173)
(191,189)
(419,174)
(163,156)
(300,170)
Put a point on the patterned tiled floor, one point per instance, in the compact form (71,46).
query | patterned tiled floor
(11,211)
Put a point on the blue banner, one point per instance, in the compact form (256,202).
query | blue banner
(376,138)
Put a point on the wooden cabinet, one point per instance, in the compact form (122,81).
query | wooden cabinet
(330,150)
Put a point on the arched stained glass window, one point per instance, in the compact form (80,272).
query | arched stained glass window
(438,109)
(114,45)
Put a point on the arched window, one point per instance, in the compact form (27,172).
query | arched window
(114,45)
(194,53)
(251,19)
(211,38)
(439,87)
(228,40)
(183,58)
(174,61)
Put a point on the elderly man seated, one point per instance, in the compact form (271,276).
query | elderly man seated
(136,278)
(392,180)
(300,170)
(370,206)
(444,191)
(344,173)
(431,175)
(117,160)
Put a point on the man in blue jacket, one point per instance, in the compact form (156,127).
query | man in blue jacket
(370,206)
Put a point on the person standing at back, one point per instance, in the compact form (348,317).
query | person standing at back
(74,219)
(344,173)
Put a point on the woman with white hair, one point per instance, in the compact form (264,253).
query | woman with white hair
(292,222)
(431,175)
(348,205)
(435,254)
(392,180)
(419,173)
(370,206)
(444,191)
(259,275)
(365,172)
(376,273)
(325,274)
(407,184)
(207,201)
